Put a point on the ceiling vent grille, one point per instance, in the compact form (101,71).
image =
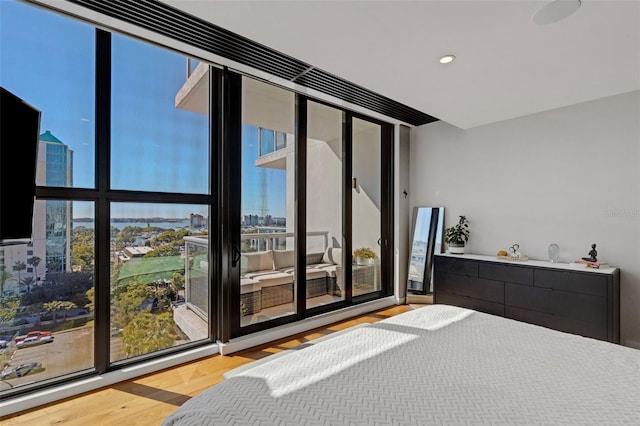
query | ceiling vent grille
(168,21)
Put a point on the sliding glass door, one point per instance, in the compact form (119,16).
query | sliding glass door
(267,244)
(366,207)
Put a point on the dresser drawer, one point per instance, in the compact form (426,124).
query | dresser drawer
(506,273)
(582,307)
(557,322)
(578,282)
(470,303)
(462,285)
(456,266)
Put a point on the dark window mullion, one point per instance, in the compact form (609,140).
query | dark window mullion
(102,284)
(300,209)
(216,242)
(387,197)
(231,188)
(347,175)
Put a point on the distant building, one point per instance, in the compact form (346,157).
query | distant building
(197,221)
(52,225)
(133,252)
(51,238)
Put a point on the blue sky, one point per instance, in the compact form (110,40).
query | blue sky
(155,146)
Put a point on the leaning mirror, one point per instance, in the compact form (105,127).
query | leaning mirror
(426,240)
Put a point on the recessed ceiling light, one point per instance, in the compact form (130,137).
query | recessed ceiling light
(556,11)
(447,59)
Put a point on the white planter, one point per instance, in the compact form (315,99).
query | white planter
(455,248)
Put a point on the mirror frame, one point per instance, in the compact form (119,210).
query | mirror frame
(433,231)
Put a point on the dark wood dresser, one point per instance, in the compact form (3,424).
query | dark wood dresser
(554,295)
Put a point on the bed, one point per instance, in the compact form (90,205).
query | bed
(433,365)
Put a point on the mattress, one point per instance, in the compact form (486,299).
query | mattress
(434,365)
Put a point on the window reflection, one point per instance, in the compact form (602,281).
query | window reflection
(267,262)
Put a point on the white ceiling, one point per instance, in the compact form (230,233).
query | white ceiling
(507,66)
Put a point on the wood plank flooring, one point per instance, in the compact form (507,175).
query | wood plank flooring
(149,399)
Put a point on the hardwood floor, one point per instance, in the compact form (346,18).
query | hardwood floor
(149,399)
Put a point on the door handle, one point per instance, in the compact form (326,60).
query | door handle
(236,257)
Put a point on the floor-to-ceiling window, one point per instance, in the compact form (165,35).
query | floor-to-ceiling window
(46,297)
(159,143)
(123,265)
(119,260)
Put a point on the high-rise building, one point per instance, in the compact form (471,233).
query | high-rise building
(55,167)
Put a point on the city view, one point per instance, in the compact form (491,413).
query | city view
(155,290)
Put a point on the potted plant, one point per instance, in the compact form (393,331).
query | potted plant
(364,256)
(457,236)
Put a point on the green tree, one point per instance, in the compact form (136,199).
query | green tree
(19,266)
(177,281)
(34,261)
(148,332)
(163,251)
(83,256)
(27,282)
(4,277)
(36,308)
(9,308)
(65,307)
(53,308)
(91,296)
(126,302)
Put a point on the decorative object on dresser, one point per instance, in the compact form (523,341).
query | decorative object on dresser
(593,254)
(554,253)
(457,236)
(554,295)
(513,254)
(592,260)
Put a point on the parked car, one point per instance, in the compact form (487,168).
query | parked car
(22,370)
(34,341)
(20,321)
(4,343)
(33,333)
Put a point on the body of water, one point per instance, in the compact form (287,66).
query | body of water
(121,225)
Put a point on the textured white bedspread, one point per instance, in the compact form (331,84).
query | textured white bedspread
(434,365)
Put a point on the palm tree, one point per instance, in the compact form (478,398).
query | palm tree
(65,306)
(34,261)
(19,267)
(4,277)
(27,282)
(53,308)
(36,308)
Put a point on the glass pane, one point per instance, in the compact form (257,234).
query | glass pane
(267,145)
(46,308)
(366,208)
(267,288)
(325,277)
(157,299)
(159,128)
(53,71)
(281,140)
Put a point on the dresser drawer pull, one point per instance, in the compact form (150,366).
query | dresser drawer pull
(548,288)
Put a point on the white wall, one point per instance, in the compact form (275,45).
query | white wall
(569,176)
(366,197)
(402,210)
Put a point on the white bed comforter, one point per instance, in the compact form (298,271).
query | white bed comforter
(434,365)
